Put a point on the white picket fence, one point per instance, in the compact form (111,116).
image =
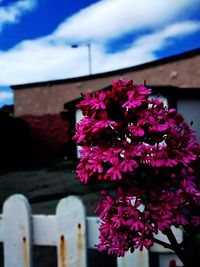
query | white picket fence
(69,230)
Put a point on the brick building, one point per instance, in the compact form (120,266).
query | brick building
(177,78)
(181,71)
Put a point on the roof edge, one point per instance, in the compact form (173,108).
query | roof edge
(165,60)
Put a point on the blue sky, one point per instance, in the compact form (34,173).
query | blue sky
(36,36)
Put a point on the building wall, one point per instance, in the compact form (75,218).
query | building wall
(190,114)
(49,98)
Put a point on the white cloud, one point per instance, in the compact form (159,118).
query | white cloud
(112,18)
(51,57)
(160,39)
(12,12)
(5,96)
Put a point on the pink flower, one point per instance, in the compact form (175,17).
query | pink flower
(111,154)
(141,89)
(142,241)
(180,220)
(196,220)
(156,125)
(99,103)
(163,221)
(136,130)
(128,165)
(83,128)
(134,100)
(114,172)
(103,124)
(130,140)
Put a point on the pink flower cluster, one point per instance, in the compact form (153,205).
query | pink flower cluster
(150,152)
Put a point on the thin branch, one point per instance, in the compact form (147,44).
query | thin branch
(175,245)
(181,244)
(187,260)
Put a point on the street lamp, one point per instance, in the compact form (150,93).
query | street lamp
(89,56)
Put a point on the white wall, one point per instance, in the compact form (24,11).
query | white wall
(79,116)
(190,110)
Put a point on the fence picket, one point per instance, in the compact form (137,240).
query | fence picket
(138,258)
(1,228)
(19,229)
(17,232)
(71,231)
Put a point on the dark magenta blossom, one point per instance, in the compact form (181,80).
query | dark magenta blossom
(147,148)
(136,130)
(128,165)
(100,101)
(114,172)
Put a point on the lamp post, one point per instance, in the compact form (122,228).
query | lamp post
(89,56)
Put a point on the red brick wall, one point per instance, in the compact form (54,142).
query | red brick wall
(48,134)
